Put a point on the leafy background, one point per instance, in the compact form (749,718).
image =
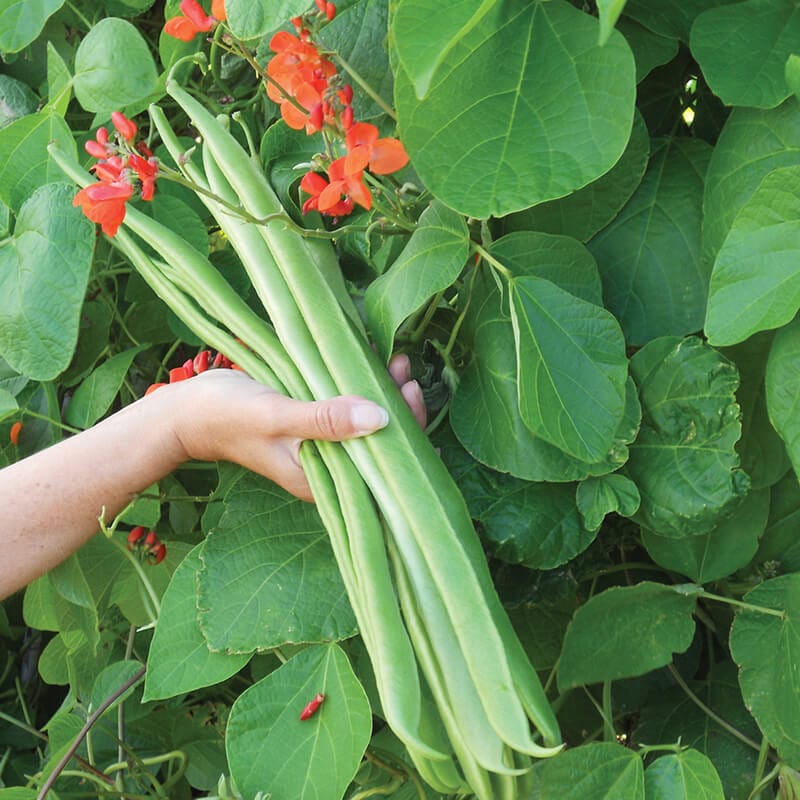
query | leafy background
(599,298)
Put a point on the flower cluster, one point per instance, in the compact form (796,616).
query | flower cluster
(193,20)
(146,545)
(194,366)
(312,96)
(123,169)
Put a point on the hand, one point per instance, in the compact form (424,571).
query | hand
(231,417)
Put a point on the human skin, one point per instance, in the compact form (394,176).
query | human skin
(50,502)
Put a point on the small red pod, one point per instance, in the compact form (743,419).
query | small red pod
(150,540)
(312,707)
(158,553)
(134,536)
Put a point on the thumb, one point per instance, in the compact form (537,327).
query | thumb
(334,419)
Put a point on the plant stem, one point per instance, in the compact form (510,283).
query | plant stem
(773,612)
(87,726)
(609,734)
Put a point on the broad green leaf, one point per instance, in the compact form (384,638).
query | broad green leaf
(145,510)
(16,100)
(21,21)
(269,575)
(110,680)
(8,404)
(626,631)
(718,553)
(780,543)
(93,338)
(761,449)
(249,20)
(485,412)
(649,256)
(44,269)
(24,162)
(792,73)
(684,461)
(687,775)
(671,716)
(74,603)
(600,770)
(752,143)
(557,115)
(94,396)
(608,12)
(586,211)
(765,647)
(649,49)
(59,82)
(667,18)
(429,263)
(179,660)
(423,39)
(597,497)
(755,284)
(113,67)
(271,750)
(541,628)
(782,386)
(752,75)
(179,217)
(572,368)
(535,524)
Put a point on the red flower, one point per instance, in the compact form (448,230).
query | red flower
(365,148)
(98,147)
(13,434)
(337,195)
(194,20)
(126,128)
(105,203)
(146,170)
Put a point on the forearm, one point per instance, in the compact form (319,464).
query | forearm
(50,502)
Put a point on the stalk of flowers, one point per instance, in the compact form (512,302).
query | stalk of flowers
(123,169)
(202,362)
(312,95)
(193,20)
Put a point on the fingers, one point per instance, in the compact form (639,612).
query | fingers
(400,370)
(332,420)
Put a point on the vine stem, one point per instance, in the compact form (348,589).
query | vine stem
(87,726)
(709,712)
(773,612)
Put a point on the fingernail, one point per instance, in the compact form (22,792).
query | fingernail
(368,417)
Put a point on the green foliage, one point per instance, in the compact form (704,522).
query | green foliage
(591,260)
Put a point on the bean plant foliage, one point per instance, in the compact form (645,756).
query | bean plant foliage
(581,222)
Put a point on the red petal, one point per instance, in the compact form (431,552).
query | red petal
(181,28)
(313,183)
(388,155)
(125,127)
(362,133)
(360,194)
(218,10)
(194,11)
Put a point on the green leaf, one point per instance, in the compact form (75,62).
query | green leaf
(752,75)
(269,574)
(21,21)
(113,67)
(24,162)
(179,217)
(782,385)
(249,20)
(44,269)
(765,648)
(761,449)
(718,553)
(59,82)
(96,394)
(792,74)
(423,40)
(179,660)
(752,143)
(484,410)
(597,497)
(687,775)
(684,461)
(16,100)
(626,631)
(146,508)
(8,404)
(600,770)
(608,12)
(429,263)
(671,716)
(557,115)
(649,49)
(74,604)
(780,543)
(572,368)
(755,285)
(649,256)
(110,680)
(668,18)
(586,211)
(271,750)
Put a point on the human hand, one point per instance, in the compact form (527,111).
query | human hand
(225,415)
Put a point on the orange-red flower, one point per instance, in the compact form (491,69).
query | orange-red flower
(364,148)
(104,203)
(194,20)
(146,170)
(336,195)
(125,127)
